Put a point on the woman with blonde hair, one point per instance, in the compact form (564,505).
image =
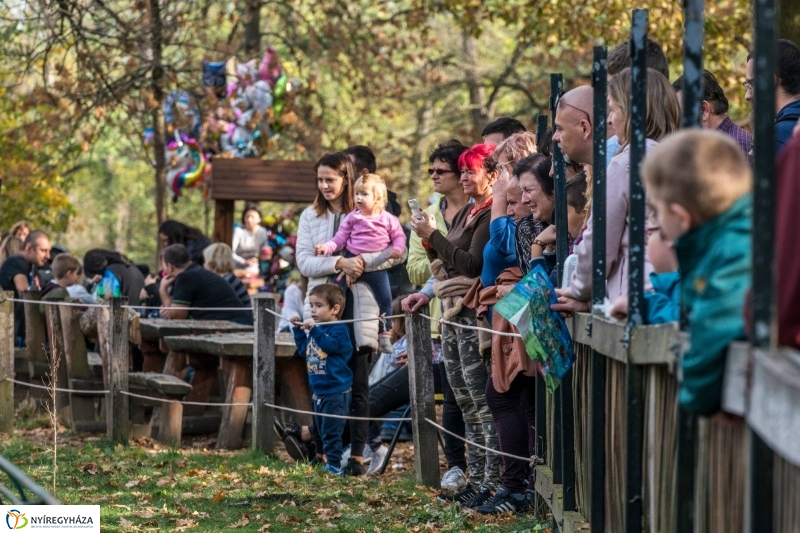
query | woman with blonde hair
(13,243)
(663,118)
(218,258)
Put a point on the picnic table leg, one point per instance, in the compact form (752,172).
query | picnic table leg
(239,390)
(170,423)
(291,376)
(6,363)
(154,359)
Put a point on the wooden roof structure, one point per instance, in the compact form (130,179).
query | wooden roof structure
(257,180)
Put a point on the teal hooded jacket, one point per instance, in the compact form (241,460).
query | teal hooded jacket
(715,271)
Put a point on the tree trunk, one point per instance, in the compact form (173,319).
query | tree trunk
(477,111)
(157,113)
(424,118)
(789,21)
(252,28)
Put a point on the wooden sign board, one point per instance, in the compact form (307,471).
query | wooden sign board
(257,180)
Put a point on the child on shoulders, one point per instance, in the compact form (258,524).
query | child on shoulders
(370,228)
(699,183)
(327,348)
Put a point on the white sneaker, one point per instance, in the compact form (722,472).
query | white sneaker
(454,479)
(345,455)
(377,458)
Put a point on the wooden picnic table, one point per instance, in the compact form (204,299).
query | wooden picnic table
(153,330)
(234,354)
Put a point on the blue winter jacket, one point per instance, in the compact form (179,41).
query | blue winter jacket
(328,349)
(663,304)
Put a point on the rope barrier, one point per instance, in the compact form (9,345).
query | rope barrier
(167,400)
(532,459)
(362,418)
(474,328)
(56,302)
(73,391)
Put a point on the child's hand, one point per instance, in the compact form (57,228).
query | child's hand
(395,254)
(296,322)
(308,324)
(620,307)
(319,250)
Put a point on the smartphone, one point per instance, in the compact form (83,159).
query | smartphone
(415,210)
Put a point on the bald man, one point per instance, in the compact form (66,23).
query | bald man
(574,125)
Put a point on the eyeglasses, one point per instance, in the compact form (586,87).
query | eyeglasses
(748,84)
(439,171)
(560,102)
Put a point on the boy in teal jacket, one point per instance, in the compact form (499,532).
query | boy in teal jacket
(699,182)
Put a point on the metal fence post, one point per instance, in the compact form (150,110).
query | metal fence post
(761,488)
(263,373)
(117,423)
(597,411)
(6,363)
(420,381)
(541,390)
(692,98)
(564,393)
(635,374)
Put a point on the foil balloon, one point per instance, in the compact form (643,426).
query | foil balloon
(187,165)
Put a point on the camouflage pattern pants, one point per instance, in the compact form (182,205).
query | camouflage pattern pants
(467,372)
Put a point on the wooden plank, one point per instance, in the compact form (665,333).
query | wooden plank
(568,522)
(38,363)
(774,397)
(259,180)
(223,221)
(117,423)
(6,363)
(264,373)
(734,385)
(581,328)
(59,377)
(654,345)
(239,390)
(157,328)
(165,384)
(228,345)
(607,338)
(420,378)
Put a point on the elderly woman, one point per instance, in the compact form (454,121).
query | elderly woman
(318,224)
(663,117)
(248,240)
(456,262)
(219,259)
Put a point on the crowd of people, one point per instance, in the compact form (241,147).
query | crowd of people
(492,222)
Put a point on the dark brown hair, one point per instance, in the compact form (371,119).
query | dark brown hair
(331,293)
(341,164)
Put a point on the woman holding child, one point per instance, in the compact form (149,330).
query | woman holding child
(318,224)
(456,262)
(663,118)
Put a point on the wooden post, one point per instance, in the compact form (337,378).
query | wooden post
(59,377)
(38,364)
(420,380)
(223,221)
(264,373)
(6,363)
(117,423)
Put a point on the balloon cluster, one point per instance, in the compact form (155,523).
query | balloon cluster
(247,105)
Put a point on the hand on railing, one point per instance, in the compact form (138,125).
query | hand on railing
(414,301)
(567,305)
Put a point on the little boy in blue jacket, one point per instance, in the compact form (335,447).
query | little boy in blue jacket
(328,349)
(699,184)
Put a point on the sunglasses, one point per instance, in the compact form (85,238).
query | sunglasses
(560,102)
(439,171)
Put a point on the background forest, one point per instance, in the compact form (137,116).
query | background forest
(80,81)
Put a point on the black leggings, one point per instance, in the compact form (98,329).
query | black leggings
(359,403)
(514,417)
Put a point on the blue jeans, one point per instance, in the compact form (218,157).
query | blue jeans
(328,434)
(378,282)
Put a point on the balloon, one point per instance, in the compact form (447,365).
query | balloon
(187,165)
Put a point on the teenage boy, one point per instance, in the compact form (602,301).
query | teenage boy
(328,349)
(699,183)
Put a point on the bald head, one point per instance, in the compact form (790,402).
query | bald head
(574,124)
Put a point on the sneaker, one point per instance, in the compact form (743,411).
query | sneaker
(460,497)
(504,501)
(346,455)
(354,468)
(385,342)
(483,495)
(454,479)
(377,457)
(333,470)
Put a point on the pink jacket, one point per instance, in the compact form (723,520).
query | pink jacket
(361,234)
(617,203)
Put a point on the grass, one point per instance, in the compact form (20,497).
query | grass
(146,487)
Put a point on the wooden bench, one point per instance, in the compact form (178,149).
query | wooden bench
(234,352)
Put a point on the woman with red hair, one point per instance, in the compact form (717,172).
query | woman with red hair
(456,262)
